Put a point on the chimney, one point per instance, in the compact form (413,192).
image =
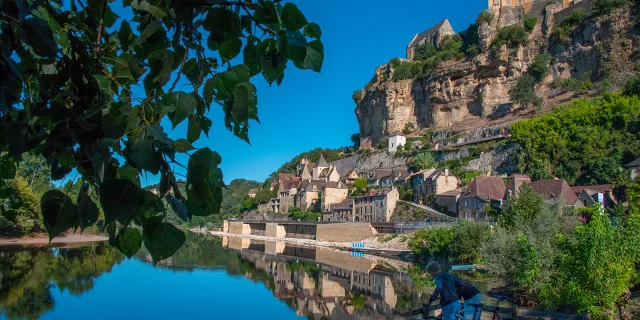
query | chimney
(446,172)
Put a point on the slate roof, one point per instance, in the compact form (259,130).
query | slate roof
(375,192)
(556,189)
(514,185)
(380,173)
(322,162)
(597,188)
(286,176)
(308,185)
(346,204)
(451,193)
(486,188)
(593,194)
(288,184)
(428,32)
(634,163)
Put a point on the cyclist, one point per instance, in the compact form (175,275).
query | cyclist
(471,295)
(446,290)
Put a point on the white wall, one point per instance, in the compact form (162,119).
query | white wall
(394,141)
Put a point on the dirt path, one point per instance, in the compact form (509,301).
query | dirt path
(44,240)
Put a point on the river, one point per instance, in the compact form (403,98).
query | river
(210,278)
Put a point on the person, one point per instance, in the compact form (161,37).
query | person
(446,290)
(471,295)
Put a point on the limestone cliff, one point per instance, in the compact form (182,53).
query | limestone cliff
(474,92)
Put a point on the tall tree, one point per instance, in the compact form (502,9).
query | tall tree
(91,89)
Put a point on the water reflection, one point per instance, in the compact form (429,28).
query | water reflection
(27,276)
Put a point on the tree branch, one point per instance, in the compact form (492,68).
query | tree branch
(184,59)
(98,41)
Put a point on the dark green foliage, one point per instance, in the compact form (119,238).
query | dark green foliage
(585,142)
(512,36)
(606,6)
(530,23)
(105,90)
(297,214)
(355,139)
(632,87)
(356,96)
(485,17)
(471,40)
(582,86)
(467,241)
(383,143)
(424,160)
(539,67)
(561,33)
(425,51)
(576,17)
(432,243)
(523,93)
(525,207)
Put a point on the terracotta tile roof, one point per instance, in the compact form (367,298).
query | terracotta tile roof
(333,184)
(634,163)
(286,176)
(598,188)
(556,189)
(485,187)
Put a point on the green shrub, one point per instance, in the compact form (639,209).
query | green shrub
(523,92)
(513,36)
(485,16)
(632,87)
(575,18)
(561,33)
(570,84)
(408,128)
(530,23)
(425,51)
(357,95)
(606,6)
(470,40)
(383,143)
(539,68)
(468,238)
(433,243)
(423,161)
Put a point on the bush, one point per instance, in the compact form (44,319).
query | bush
(425,51)
(513,36)
(408,128)
(539,68)
(632,87)
(530,23)
(383,143)
(356,96)
(485,16)
(606,6)
(470,40)
(523,92)
(434,243)
(423,161)
(575,18)
(468,238)
(561,33)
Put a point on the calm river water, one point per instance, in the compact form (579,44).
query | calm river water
(209,278)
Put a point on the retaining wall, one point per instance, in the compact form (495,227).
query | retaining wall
(348,231)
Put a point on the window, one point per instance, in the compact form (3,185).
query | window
(478,204)
(467,203)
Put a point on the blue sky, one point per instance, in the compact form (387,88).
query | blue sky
(311,109)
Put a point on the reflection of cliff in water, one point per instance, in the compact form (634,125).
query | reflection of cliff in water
(27,276)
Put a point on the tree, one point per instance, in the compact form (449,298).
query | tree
(523,92)
(23,216)
(34,170)
(355,139)
(432,243)
(104,95)
(400,148)
(525,207)
(425,51)
(539,68)
(423,161)
(467,240)
(632,87)
(512,36)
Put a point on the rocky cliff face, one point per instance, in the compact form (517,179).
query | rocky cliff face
(474,93)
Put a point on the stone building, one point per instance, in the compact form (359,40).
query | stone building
(482,192)
(449,200)
(334,193)
(432,181)
(432,35)
(634,169)
(351,177)
(395,140)
(339,212)
(556,190)
(376,205)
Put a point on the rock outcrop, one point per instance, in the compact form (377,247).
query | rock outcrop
(474,93)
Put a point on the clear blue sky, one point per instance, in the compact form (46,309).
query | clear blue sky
(311,109)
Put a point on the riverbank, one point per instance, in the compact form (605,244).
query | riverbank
(43,240)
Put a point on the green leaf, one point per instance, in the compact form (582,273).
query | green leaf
(315,56)
(125,35)
(194,128)
(192,71)
(266,13)
(273,63)
(121,199)
(111,231)
(252,59)
(182,145)
(242,73)
(205,124)
(129,241)
(167,63)
(9,214)
(204,183)
(145,156)
(7,169)
(178,207)
(58,212)
(313,30)
(130,173)
(292,17)
(38,35)
(296,39)
(223,84)
(222,24)
(153,204)
(158,133)
(162,240)
(230,49)
(152,28)
(146,6)
(88,211)
(184,103)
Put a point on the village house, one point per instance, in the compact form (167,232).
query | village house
(376,205)
(351,177)
(334,192)
(432,35)
(634,169)
(379,175)
(309,193)
(400,176)
(339,212)
(482,192)
(590,195)
(252,193)
(395,140)
(449,201)
(432,181)
(556,190)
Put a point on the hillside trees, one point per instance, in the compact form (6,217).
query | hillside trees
(88,90)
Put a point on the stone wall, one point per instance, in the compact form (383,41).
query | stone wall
(348,231)
(558,17)
(275,230)
(300,231)
(239,227)
(499,160)
(333,196)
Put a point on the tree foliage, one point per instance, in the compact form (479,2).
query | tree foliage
(586,142)
(88,90)
(424,160)
(511,36)
(523,93)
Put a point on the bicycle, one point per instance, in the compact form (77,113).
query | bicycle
(478,307)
